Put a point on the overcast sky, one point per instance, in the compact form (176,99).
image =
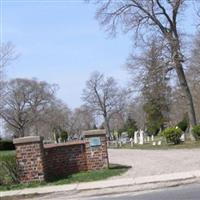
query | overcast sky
(61,42)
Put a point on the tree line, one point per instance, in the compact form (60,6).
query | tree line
(147,20)
(165,79)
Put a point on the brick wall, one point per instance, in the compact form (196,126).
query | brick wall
(36,161)
(64,159)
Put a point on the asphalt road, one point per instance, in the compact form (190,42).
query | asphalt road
(186,192)
(189,192)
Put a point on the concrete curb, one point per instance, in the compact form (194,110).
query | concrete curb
(106,184)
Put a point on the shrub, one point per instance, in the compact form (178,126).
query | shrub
(172,135)
(130,127)
(131,132)
(64,136)
(8,169)
(6,145)
(196,132)
(183,124)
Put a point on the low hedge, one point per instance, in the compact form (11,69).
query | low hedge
(6,145)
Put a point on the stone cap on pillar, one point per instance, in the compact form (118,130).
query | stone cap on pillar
(95,132)
(29,139)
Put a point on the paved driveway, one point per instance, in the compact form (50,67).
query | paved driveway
(154,162)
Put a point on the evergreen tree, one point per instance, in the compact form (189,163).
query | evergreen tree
(155,89)
(130,126)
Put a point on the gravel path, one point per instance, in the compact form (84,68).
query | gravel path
(154,162)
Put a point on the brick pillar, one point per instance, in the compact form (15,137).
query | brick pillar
(96,149)
(30,158)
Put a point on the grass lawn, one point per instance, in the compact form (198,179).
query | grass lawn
(7,167)
(164,146)
(114,170)
(7,153)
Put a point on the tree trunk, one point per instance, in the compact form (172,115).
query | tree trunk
(178,59)
(185,88)
(20,132)
(107,126)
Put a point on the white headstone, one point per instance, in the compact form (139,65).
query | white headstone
(159,142)
(148,139)
(116,144)
(108,143)
(54,137)
(120,144)
(152,137)
(182,137)
(154,143)
(141,137)
(131,143)
(135,137)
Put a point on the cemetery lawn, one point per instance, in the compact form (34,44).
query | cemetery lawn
(114,170)
(7,153)
(163,146)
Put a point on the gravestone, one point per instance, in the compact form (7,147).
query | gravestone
(152,138)
(159,142)
(131,140)
(182,137)
(135,137)
(141,132)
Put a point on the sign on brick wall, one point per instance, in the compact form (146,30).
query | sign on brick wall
(95,141)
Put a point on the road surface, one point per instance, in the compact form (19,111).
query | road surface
(186,192)
(190,192)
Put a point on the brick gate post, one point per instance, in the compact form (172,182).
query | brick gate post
(96,149)
(30,158)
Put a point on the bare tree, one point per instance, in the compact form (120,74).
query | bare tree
(104,97)
(193,74)
(24,102)
(117,121)
(135,110)
(53,120)
(81,118)
(178,106)
(197,8)
(195,58)
(84,117)
(147,17)
(7,55)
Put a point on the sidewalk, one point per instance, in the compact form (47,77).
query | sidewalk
(139,183)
